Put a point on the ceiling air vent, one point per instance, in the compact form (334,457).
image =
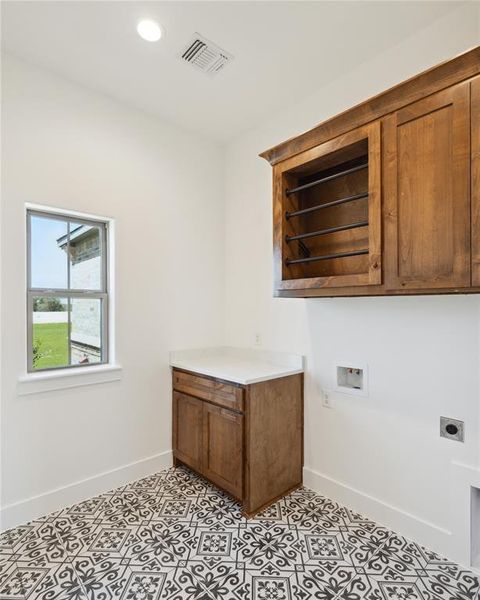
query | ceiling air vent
(205,55)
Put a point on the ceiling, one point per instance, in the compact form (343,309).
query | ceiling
(283,51)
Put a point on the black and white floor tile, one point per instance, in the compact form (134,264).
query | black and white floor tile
(173,536)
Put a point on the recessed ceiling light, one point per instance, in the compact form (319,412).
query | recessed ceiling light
(149,30)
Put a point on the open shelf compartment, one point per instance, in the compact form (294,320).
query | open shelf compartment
(330,213)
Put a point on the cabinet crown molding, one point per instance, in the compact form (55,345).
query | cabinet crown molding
(427,82)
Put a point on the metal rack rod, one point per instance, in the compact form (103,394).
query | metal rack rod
(325,179)
(325,257)
(305,211)
(302,236)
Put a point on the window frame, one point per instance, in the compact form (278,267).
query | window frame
(102,294)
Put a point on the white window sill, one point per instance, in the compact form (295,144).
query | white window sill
(48,381)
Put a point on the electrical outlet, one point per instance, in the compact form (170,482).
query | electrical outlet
(326,399)
(452,429)
(258,339)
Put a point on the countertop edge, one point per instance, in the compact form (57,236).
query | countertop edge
(242,381)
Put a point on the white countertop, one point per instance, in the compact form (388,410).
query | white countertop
(239,365)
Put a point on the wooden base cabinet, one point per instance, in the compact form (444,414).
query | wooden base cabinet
(247,440)
(383,199)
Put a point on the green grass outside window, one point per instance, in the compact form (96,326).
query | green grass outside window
(53,344)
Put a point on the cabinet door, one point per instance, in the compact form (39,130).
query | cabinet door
(223,448)
(475,133)
(187,430)
(427,192)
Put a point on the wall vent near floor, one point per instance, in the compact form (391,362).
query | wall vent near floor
(475,527)
(205,55)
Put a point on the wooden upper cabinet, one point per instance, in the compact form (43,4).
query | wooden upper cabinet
(384,198)
(427,192)
(475,179)
(327,214)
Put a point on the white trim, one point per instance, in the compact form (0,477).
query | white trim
(472,470)
(65,212)
(23,511)
(110,237)
(414,527)
(112,357)
(61,379)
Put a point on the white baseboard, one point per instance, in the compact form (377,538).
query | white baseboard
(53,500)
(411,526)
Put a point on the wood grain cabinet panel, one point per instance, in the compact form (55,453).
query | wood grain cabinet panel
(223,448)
(256,453)
(274,429)
(475,179)
(188,429)
(427,192)
(220,392)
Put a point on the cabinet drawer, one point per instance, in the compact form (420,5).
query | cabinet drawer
(218,392)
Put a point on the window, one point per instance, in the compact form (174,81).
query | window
(67,297)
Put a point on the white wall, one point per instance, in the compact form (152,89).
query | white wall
(380,454)
(68,147)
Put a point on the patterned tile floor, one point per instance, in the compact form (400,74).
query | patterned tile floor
(173,536)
